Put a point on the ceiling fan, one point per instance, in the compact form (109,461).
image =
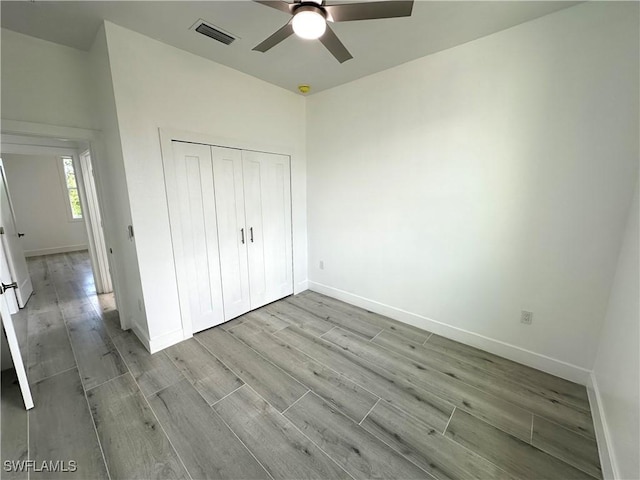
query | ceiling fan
(310,17)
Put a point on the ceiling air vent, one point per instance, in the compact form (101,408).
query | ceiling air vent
(213,32)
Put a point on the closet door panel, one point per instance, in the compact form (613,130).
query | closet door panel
(276,207)
(194,208)
(232,233)
(268,194)
(252,172)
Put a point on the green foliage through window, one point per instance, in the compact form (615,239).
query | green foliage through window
(72,187)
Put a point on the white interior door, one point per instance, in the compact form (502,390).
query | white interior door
(11,244)
(5,278)
(14,348)
(232,232)
(7,296)
(267,189)
(199,278)
(95,233)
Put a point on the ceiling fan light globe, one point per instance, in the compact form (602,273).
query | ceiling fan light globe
(309,24)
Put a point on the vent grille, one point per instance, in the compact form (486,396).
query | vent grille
(214,33)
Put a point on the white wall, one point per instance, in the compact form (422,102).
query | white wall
(44,82)
(159,86)
(454,191)
(617,369)
(55,86)
(113,193)
(41,205)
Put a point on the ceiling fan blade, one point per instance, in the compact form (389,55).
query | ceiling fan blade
(275,39)
(335,46)
(369,10)
(277,4)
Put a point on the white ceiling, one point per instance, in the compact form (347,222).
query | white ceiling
(375,44)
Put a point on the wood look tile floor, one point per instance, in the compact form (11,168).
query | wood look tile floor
(306,387)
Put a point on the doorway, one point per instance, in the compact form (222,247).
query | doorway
(54,200)
(50,195)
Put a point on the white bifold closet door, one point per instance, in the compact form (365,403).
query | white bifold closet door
(232,244)
(196,249)
(232,233)
(268,218)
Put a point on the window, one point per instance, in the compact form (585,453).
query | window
(72,188)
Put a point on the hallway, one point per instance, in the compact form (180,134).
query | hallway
(66,347)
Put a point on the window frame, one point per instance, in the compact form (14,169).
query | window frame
(66,189)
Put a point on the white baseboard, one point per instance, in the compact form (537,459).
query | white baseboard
(603,436)
(54,250)
(535,360)
(156,344)
(301,287)
(163,341)
(141,336)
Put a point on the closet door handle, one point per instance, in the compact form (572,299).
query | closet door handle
(242,233)
(251,234)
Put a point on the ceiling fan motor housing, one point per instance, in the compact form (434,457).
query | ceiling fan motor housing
(309,7)
(309,20)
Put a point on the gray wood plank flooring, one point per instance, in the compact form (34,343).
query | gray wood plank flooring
(97,357)
(387,385)
(427,447)
(60,428)
(349,397)
(14,446)
(80,309)
(207,446)
(306,387)
(151,372)
(501,413)
(264,320)
(298,317)
(509,453)
(276,386)
(281,448)
(134,444)
(111,321)
(356,450)
(43,300)
(49,348)
(409,332)
(349,322)
(571,392)
(574,449)
(210,377)
(537,400)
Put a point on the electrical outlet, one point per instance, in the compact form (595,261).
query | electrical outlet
(321,265)
(140,304)
(526,317)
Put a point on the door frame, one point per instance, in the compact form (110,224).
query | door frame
(94,140)
(97,249)
(169,135)
(93,222)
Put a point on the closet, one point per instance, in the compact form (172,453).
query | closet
(230,215)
